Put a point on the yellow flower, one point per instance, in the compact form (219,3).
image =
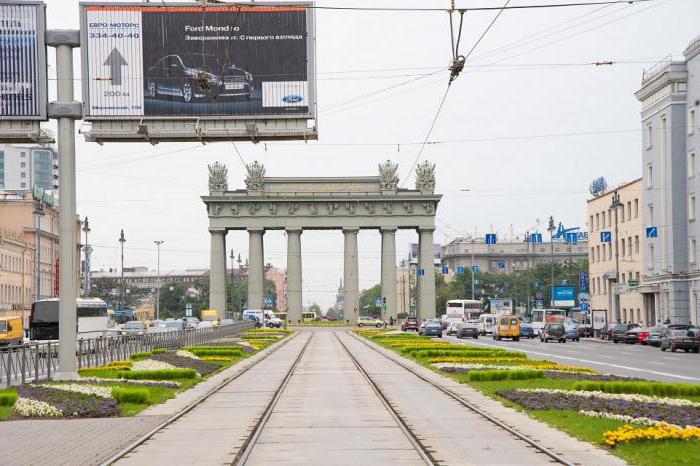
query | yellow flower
(663,431)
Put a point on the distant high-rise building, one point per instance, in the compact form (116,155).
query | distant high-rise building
(24,167)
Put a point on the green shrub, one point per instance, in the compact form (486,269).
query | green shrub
(261,336)
(490,376)
(641,387)
(455,348)
(162,374)
(216,351)
(482,354)
(158,351)
(8,398)
(131,395)
(141,356)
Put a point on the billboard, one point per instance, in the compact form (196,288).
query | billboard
(189,60)
(563,296)
(22,61)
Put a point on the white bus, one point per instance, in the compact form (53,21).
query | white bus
(92,316)
(541,317)
(462,310)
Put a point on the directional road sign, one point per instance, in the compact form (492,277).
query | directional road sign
(445,270)
(652,232)
(378,302)
(490,238)
(501,265)
(536,238)
(421,272)
(475,268)
(460,269)
(605,237)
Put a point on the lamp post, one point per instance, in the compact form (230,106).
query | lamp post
(615,297)
(157,243)
(551,228)
(122,240)
(233,260)
(472,267)
(238,289)
(38,212)
(86,271)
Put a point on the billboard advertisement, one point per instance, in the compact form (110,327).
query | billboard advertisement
(599,319)
(22,61)
(241,61)
(563,296)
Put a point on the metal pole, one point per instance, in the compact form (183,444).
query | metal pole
(122,240)
(472,268)
(233,261)
(157,243)
(68,235)
(86,281)
(551,229)
(615,303)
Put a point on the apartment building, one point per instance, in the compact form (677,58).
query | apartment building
(24,167)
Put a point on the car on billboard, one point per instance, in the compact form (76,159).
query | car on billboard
(196,76)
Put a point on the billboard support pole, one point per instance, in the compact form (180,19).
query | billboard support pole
(65,111)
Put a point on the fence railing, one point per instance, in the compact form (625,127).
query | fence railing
(32,362)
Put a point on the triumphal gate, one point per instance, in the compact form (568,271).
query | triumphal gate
(348,204)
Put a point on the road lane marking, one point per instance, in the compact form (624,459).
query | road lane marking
(588,361)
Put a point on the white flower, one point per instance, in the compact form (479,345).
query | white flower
(102,392)
(615,396)
(645,421)
(33,408)
(186,354)
(151,365)
(162,383)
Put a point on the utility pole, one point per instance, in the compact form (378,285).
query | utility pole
(38,212)
(551,228)
(238,289)
(233,259)
(122,240)
(157,243)
(615,297)
(86,247)
(472,267)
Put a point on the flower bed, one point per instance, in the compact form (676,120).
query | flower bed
(670,410)
(490,360)
(151,365)
(642,387)
(662,431)
(645,421)
(204,368)
(147,383)
(47,401)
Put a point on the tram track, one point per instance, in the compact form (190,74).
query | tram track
(174,418)
(456,397)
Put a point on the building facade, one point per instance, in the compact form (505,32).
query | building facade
(25,167)
(279,278)
(16,273)
(670,101)
(630,254)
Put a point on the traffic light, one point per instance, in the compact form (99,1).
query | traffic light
(384,300)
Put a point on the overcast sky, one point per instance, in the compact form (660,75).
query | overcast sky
(531,124)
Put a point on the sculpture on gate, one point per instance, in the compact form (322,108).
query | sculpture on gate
(388,177)
(425,177)
(254,180)
(218,178)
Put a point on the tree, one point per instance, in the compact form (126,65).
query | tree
(368,301)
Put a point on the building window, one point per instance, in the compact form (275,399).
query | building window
(592,254)
(636,208)
(609,251)
(629,246)
(623,278)
(691,252)
(650,176)
(622,242)
(23,154)
(691,121)
(23,165)
(23,185)
(602,216)
(591,224)
(636,244)
(691,164)
(691,207)
(650,220)
(597,253)
(647,136)
(597,221)
(23,174)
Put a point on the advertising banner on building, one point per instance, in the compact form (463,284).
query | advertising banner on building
(192,60)
(563,296)
(22,61)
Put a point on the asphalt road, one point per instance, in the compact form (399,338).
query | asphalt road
(644,362)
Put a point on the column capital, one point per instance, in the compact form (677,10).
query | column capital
(388,229)
(351,230)
(425,229)
(299,230)
(217,230)
(256,230)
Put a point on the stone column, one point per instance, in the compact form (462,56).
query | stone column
(351,284)
(256,269)
(426,288)
(389,271)
(294,297)
(217,271)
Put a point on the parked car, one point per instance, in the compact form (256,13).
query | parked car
(196,76)
(619,332)
(430,328)
(410,323)
(366,321)
(174,325)
(637,335)
(526,330)
(190,322)
(654,338)
(453,327)
(468,330)
(555,331)
(680,338)
(134,328)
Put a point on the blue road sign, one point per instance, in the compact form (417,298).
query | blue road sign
(501,265)
(475,268)
(539,303)
(421,272)
(536,238)
(445,270)
(572,238)
(584,307)
(378,302)
(460,269)
(565,281)
(652,232)
(605,237)
(490,238)
(536,285)
(583,282)
(268,301)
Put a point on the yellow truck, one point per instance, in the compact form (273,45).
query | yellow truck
(11,330)
(211,315)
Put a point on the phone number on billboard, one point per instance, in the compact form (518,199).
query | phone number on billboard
(114,35)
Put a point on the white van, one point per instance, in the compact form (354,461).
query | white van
(486,323)
(266,317)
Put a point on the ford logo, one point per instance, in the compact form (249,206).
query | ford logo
(292,99)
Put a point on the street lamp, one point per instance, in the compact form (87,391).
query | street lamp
(551,228)
(38,212)
(158,243)
(122,240)
(615,297)
(86,271)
